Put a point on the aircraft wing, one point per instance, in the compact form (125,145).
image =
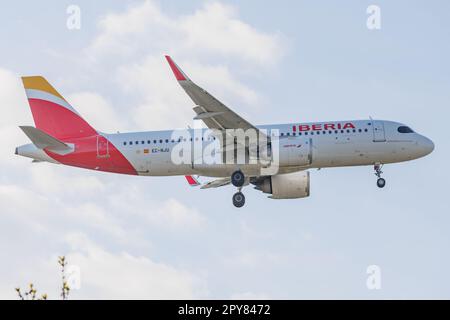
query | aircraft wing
(211,111)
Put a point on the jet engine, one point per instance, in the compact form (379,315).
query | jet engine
(285,186)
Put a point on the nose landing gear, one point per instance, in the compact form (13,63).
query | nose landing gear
(380,181)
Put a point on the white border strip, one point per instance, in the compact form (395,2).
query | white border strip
(42,95)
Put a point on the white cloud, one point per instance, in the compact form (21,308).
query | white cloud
(105,274)
(175,215)
(43,203)
(14,103)
(40,213)
(47,179)
(216,28)
(15,112)
(120,32)
(164,103)
(144,33)
(97,111)
(213,29)
(60,200)
(121,275)
(25,206)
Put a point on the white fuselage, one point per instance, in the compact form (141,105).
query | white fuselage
(329,144)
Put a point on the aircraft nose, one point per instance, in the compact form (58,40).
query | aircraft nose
(427,145)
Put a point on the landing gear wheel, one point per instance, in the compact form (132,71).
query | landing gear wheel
(237,179)
(238,199)
(381,183)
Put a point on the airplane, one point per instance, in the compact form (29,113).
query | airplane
(62,136)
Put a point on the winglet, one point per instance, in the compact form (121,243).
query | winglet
(192,181)
(179,74)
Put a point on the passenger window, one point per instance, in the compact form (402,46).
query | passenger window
(365,130)
(148,141)
(137,142)
(160,141)
(124,143)
(131,142)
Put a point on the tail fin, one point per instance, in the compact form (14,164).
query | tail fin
(52,113)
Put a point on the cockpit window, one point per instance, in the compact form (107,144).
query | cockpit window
(405,129)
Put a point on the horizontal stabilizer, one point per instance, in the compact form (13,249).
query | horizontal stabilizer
(216,183)
(43,140)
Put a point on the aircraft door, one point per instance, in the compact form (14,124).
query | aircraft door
(102,147)
(378,131)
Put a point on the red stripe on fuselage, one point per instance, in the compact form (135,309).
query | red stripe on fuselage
(86,156)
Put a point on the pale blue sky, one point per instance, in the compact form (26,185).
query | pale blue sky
(157,237)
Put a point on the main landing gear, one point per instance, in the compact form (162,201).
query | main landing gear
(237,180)
(380,182)
(238,199)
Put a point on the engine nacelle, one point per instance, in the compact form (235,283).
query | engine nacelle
(286,186)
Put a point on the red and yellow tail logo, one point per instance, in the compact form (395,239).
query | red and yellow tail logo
(52,113)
